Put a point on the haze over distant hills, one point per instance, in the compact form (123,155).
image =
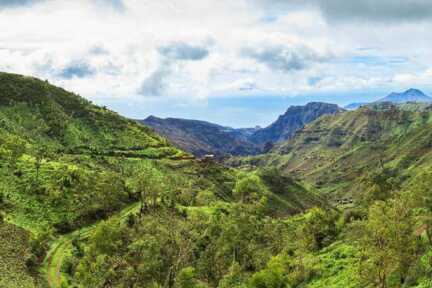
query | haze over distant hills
(410,95)
(200,137)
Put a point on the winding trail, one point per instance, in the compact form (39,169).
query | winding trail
(60,247)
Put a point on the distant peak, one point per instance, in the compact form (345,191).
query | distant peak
(315,103)
(152,118)
(414,91)
(410,95)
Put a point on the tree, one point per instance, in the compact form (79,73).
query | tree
(11,149)
(149,185)
(380,185)
(249,189)
(234,278)
(40,154)
(389,246)
(419,196)
(106,238)
(273,276)
(187,279)
(318,230)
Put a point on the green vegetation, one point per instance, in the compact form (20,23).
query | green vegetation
(91,199)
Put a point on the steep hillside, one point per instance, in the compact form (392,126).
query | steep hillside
(335,153)
(293,119)
(201,138)
(74,175)
(40,112)
(64,163)
(53,141)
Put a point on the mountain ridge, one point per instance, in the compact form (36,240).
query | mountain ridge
(410,95)
(201,137)
(293,119)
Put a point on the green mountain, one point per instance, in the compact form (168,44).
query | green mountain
(374,165)
(335,153)
(81,185)
(89,198)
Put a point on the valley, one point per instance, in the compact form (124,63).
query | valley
(89,198)
(215,144)
(201,138)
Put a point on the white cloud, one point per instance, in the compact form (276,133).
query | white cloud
(189,50)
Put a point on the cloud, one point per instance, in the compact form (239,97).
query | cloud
(284,58)
(156,83)
(117,5)
(148,49)
(184,51)
(17,3)
(76,70)
(355,10)
(383,10)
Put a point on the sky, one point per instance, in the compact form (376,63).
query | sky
(239,63)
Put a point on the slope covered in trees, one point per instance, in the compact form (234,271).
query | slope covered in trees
(374,164)
(337,151)
(97,200)
(91,199)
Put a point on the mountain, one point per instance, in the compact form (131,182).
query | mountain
(49,136)
(354,106)
(293,119)
(89,198)
(410,95)
(83,190)
(335,152)
(64,163)
(201,138)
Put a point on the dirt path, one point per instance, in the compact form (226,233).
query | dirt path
(59,249)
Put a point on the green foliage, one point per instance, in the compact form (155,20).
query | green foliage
(273,276)
(389,245)
(108,203)
(187,279)
(318,230)
(249,189)
(234,278)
